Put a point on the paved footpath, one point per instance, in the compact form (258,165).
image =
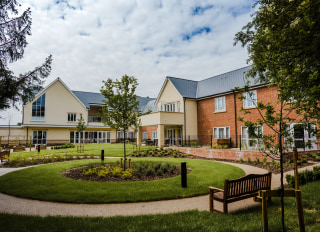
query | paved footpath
(17,205)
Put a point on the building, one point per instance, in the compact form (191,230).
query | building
(206,111)
(51,118)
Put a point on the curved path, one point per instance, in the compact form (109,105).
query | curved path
(17,205)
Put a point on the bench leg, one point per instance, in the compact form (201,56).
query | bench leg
(211,201)
(225,207)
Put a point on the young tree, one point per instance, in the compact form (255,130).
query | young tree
(121,108)
(283,45)
(13,33)
(277,116)
(81,127)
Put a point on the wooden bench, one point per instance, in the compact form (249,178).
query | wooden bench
(238,189)
(4,155)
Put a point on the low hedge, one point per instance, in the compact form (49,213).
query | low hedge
(304,177)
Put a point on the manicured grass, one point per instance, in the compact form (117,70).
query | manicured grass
(247,220)
(112,150)
(44,182)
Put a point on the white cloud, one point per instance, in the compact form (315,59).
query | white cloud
(93,40)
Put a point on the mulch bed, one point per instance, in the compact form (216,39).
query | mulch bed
(76,174)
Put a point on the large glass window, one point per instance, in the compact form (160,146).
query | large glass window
(303,138)
(144,136)
(251,142)
(39,137)
(250,99)
(221,132)
(90,137)
(38,108)
(154,135)
(220,104)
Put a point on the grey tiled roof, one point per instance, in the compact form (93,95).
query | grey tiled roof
(215,85)
(88,98)
(186,88)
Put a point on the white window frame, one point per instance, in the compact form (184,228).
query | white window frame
(38,108)
(39,140)
(72,117)
(250,99)
(305,138)
(220,104)
(250,143)
(178,106)
(170,107)
(225,132)
(145,136)
(154,135)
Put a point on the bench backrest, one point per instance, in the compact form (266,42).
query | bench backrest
(248,184)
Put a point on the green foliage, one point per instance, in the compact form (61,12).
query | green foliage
(249,160)
(257,161)
(122,106)
(282,42)
(304,177)
(13,36)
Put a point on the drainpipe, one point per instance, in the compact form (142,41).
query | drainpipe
(184,120)
(235,117)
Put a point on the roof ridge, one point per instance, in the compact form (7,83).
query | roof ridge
(182,79)
(225,73)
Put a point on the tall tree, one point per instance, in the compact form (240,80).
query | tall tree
(283,45)
(13,33)
(121,108)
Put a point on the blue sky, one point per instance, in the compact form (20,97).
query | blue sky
(150,39)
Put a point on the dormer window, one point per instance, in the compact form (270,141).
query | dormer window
(38,108)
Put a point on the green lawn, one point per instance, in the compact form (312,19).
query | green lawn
(242,221)
(112,150)
(44,182)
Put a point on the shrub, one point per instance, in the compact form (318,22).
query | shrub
(149,172)
(127,174)
(249,160)
(264,162)
(116,171)
(241,161)
(159,172)
(257,161)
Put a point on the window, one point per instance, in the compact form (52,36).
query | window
(303,136)
(154,135)
(91,137)
(72,117)
(144,136)
(38,108)
(221,132)
(220,104)
(251,142)
(39,137)
(170,107)
(178,106)
(250,99)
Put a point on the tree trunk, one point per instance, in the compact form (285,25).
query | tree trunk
(124,150)
(281,168)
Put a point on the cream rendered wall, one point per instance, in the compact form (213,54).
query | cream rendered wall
(191,117)
(170,94)
(14,132)
(59,102)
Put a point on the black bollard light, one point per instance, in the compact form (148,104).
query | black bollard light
(38,147)
(102,155)
(184,174)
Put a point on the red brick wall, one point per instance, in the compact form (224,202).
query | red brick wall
(208,118)
(149,129)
